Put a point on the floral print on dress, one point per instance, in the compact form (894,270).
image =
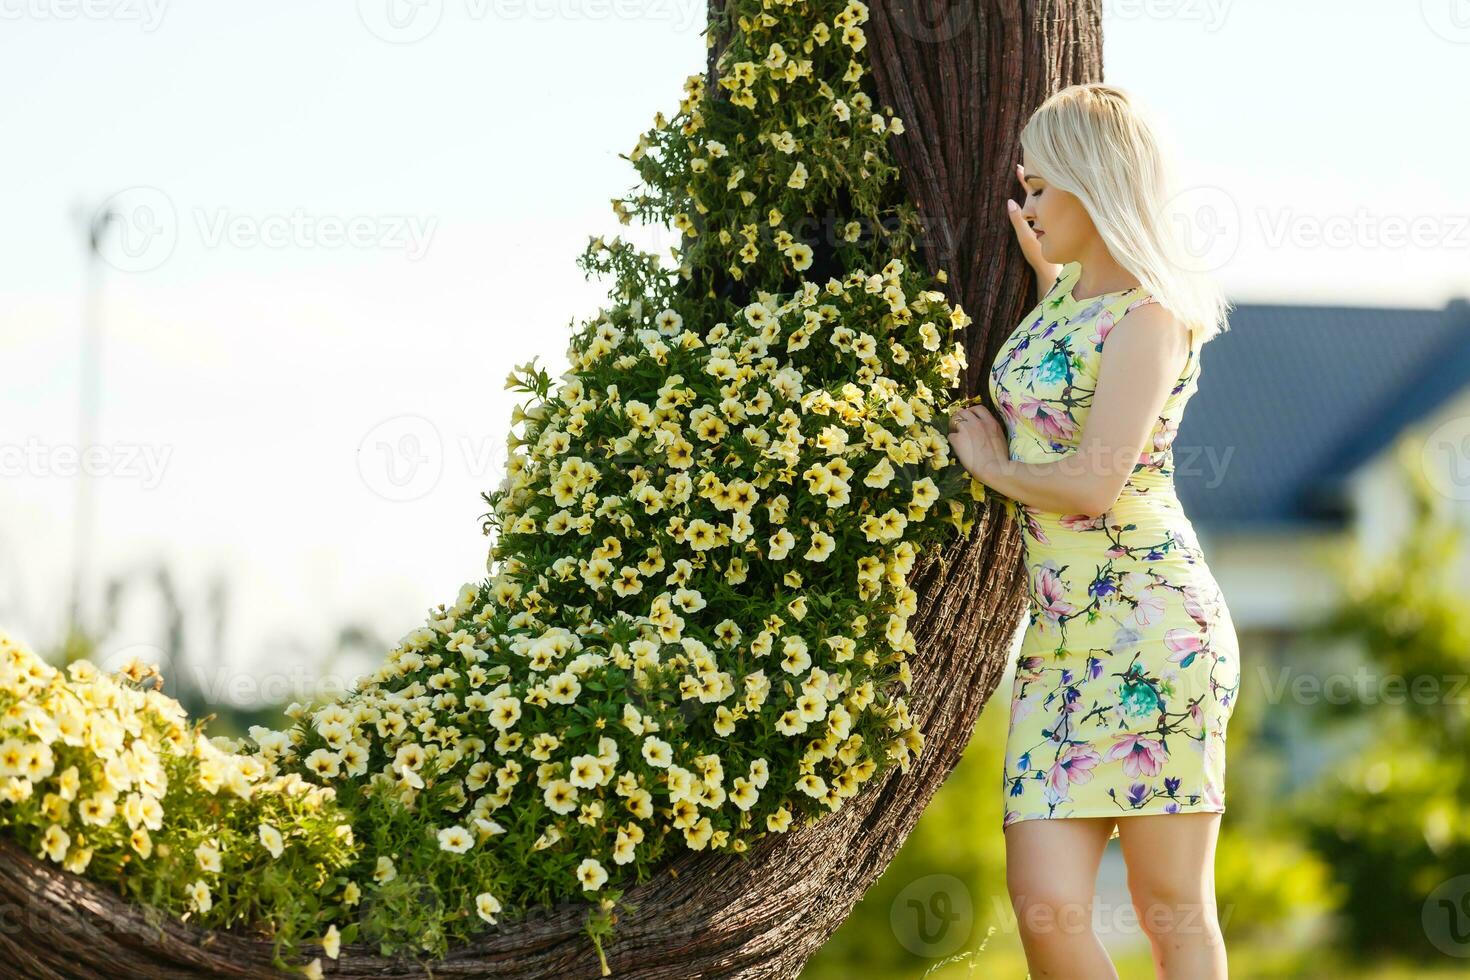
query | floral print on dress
(1129,668)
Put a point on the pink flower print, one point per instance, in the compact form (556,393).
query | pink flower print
(1164,435)
(1033,526)
(1021,707)
(1104,324)
(1195,607)
(1212,795)
(1149,609)
(1073,765)
(1186,644)
(1214,766)
(1141,756)
(1116,551)
(1051,590)
(1081,522)
(1004,404)
(1051,421)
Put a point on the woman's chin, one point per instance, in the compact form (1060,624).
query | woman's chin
(1052,254)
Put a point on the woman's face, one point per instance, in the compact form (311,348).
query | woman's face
(1062,225)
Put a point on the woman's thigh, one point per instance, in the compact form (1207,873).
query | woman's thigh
(1055,861)
(1171,867)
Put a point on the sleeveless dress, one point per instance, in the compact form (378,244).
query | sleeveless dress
(1129,667)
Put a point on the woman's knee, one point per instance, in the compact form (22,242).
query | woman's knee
(1170,906)
(1044,903)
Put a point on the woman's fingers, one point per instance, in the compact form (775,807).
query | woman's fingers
(1030,244)
(1019,222)
(1015,209)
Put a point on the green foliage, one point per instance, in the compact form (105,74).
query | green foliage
(1393,819)
(934,906)
(1269,884)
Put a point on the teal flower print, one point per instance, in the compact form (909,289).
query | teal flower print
(1055,367)
(1139,699)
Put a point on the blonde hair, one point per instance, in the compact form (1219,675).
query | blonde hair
(1095,142)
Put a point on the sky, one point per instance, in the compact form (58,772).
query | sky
(344,223)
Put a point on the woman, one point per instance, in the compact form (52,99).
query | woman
(1128,671)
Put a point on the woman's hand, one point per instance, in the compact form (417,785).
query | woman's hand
(979,441)
(1046,272)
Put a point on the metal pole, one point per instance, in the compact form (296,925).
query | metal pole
(89,409)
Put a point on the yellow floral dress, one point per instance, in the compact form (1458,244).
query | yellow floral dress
(1129,668)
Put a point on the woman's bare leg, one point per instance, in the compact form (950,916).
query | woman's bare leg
(1051,873)
(1171,877)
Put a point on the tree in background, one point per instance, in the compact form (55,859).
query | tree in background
(1391,817)
(190,639)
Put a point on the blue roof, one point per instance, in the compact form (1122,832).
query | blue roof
(1292,399)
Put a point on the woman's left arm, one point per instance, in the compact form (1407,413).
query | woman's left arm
(1143,355)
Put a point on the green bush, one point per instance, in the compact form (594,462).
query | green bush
(1392,817)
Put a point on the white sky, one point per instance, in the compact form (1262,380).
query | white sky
(481,157)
